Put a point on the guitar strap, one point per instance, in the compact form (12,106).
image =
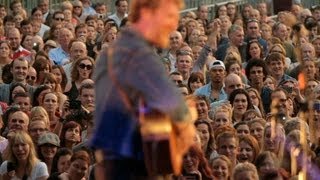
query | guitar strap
(124,96)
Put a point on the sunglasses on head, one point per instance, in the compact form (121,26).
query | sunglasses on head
(83,66)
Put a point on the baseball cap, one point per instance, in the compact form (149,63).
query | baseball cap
(49,138)
(217,64)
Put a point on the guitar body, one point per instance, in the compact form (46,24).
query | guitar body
(159,140)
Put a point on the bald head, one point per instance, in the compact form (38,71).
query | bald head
(18,121)
(232,82)
(308,51)
(78,50)
(175,40)
(14,37)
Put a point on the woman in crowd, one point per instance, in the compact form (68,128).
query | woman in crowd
(82,69)
(256,99)
(221,11)
(110,36)
(60,75)
(256,127)
(248,149)
(79,167)
(39,93)
(38,113)
(70,135)
(42,65)
(206,136)
(233,65)
(36,16)
(245,171)
(250,115)
(240,102)
(49,79)
(77,12)
(14,89)
(5,55)
(61,161)
(48,145)
(266,162)
(195,81)
(195,163)
(270,82)
(26,42)
(21,160)
(51,105)
(221,167)
(222,115)
(254,50)
(274,141)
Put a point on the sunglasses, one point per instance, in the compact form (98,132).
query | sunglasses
(83,66)
(31,77)
(59,19)
(77,6)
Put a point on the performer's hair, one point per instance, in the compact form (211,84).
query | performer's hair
(137,5)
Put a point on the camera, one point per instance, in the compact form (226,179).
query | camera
(35,47)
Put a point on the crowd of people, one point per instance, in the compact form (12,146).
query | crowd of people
(255,81)
(255,78)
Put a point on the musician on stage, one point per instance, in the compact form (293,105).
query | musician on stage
(128,72)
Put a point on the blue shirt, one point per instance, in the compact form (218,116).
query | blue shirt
(206,91)
(59,56)
(140,74)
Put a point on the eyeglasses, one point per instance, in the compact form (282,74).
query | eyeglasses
(59,19)
(83,66)
(31,77)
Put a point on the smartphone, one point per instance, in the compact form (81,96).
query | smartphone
(74,104)
(11,166)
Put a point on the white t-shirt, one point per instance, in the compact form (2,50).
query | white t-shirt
(40,170)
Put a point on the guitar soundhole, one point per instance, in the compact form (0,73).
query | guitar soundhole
(157,156)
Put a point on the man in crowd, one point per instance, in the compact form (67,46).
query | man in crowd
(121,11)
(60,55)
(214,90)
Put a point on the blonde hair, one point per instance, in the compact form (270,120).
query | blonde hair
(226,108)
(232,53)
(39,110)
(241,167)
(225,159)
(280,133)
(22,137)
